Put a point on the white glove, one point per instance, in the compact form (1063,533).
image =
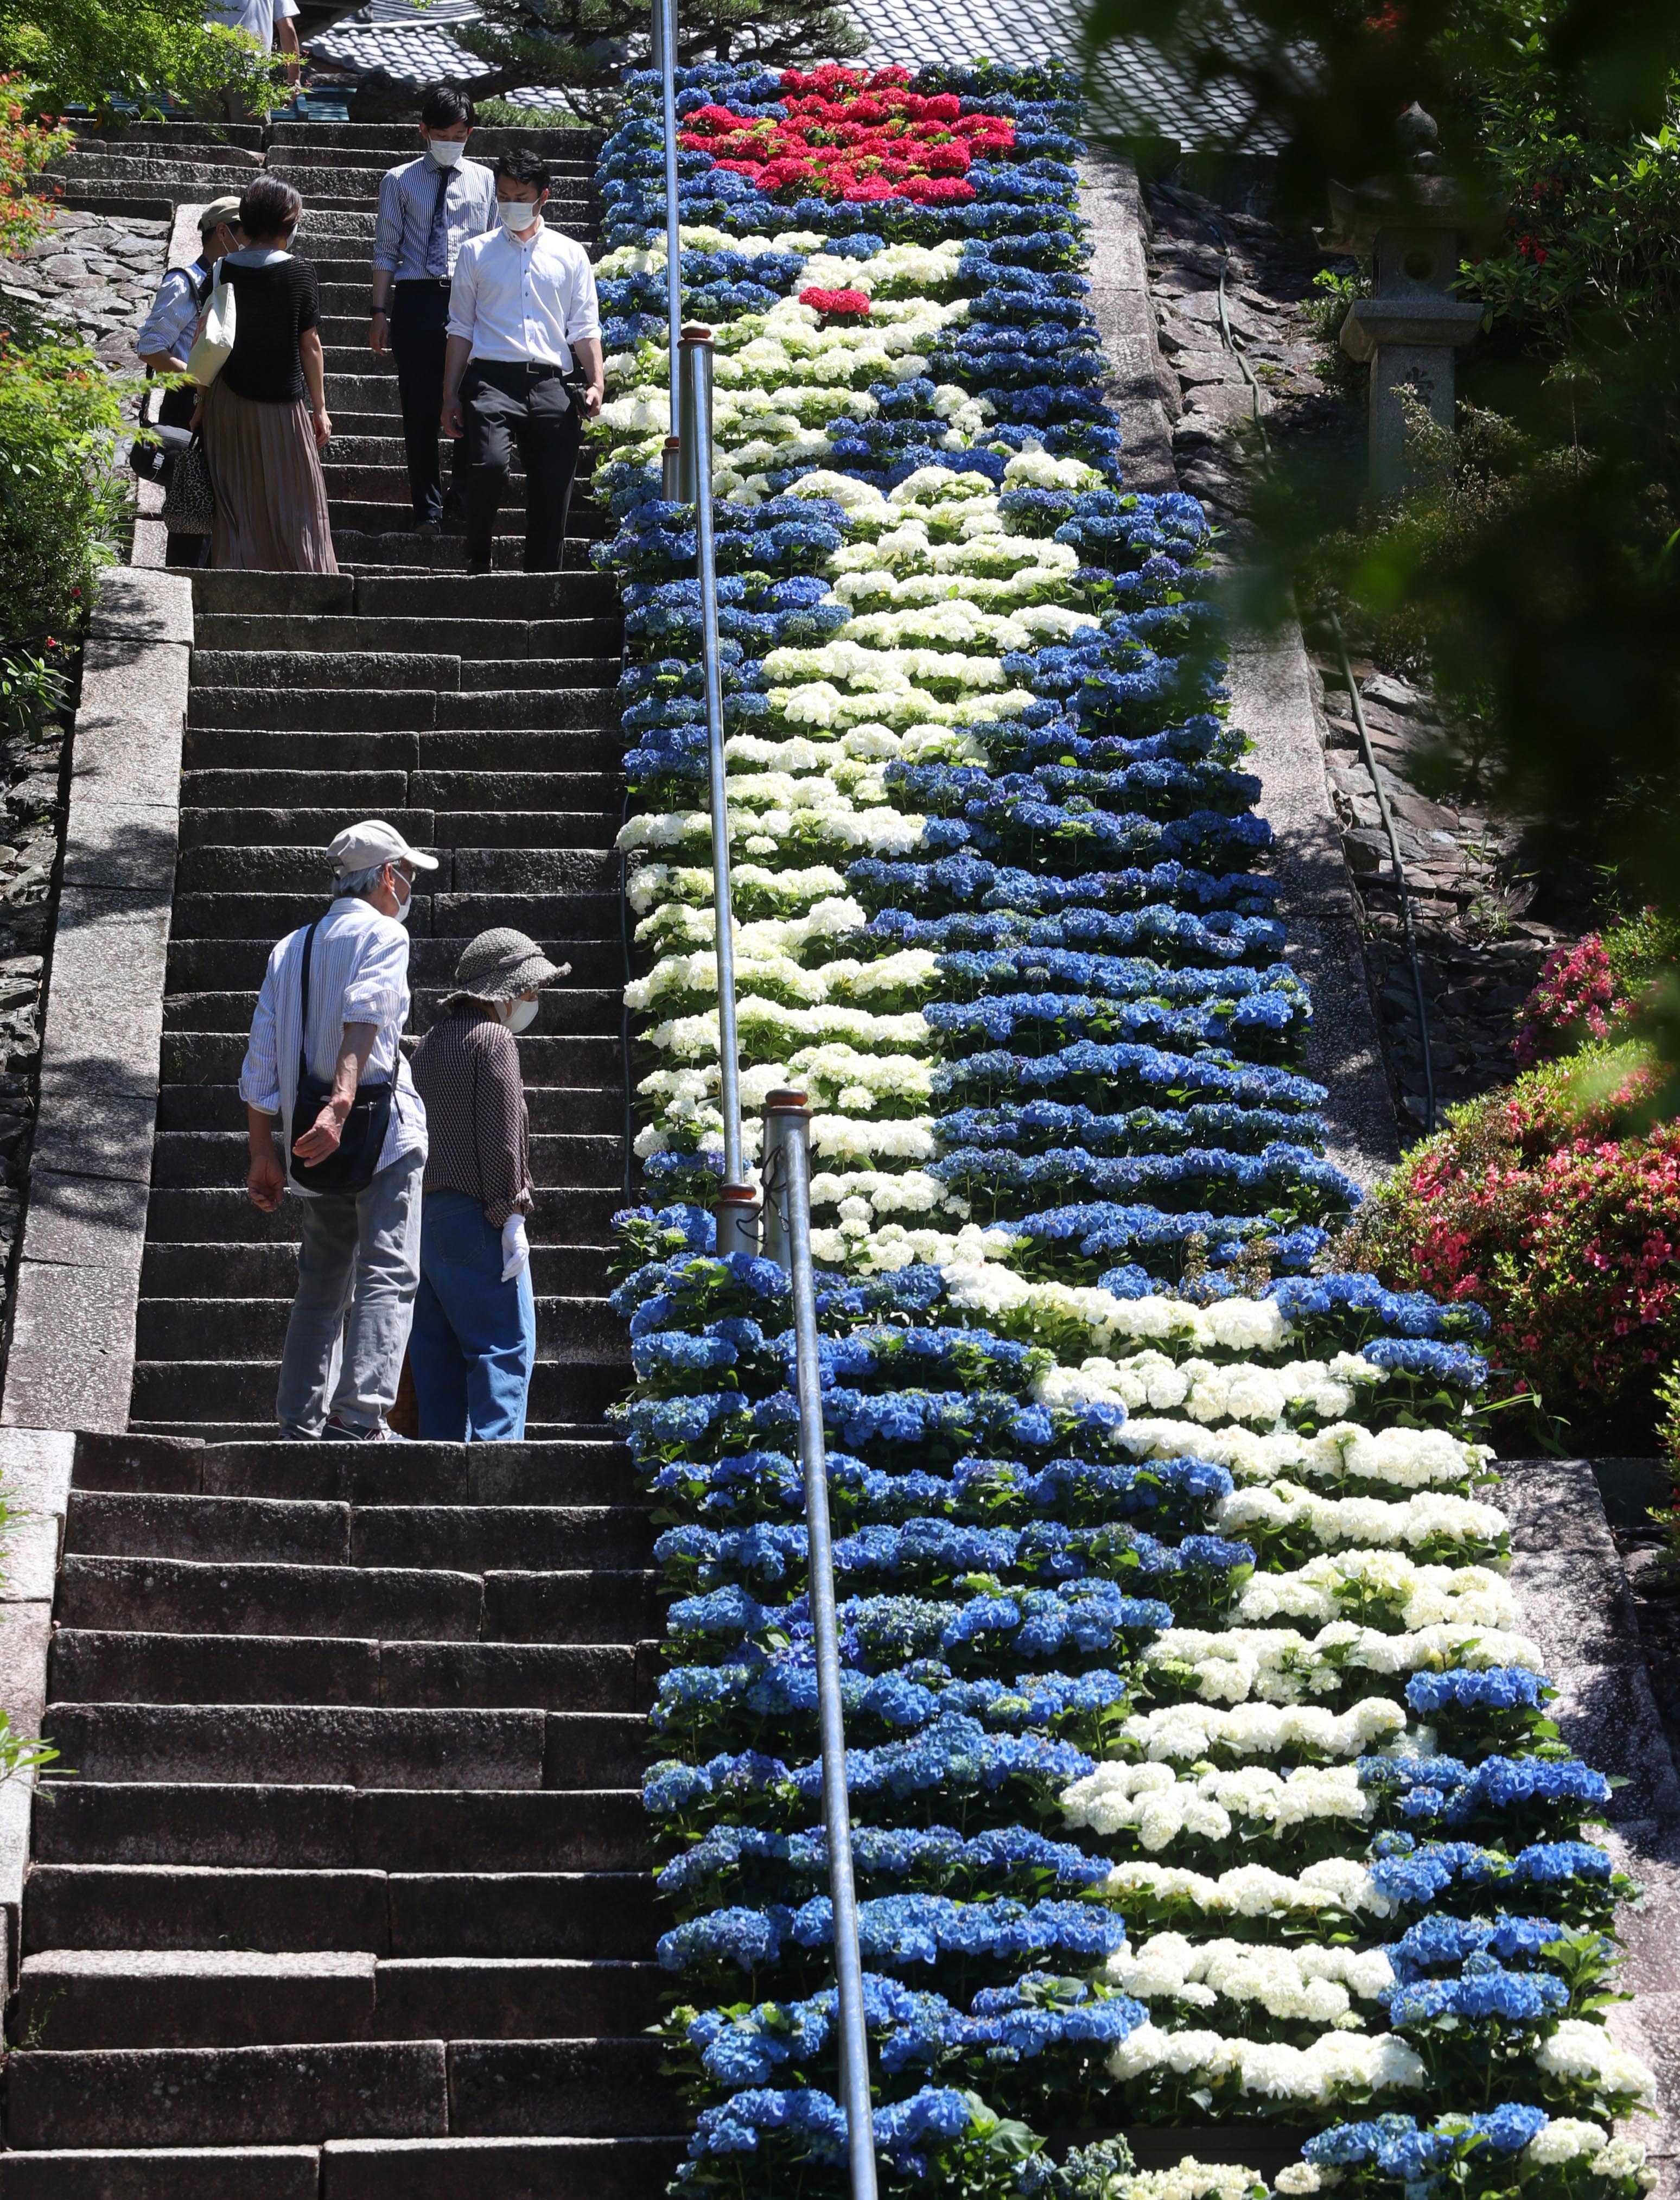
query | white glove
(516,1249)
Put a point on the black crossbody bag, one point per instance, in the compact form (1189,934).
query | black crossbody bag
(352,1168)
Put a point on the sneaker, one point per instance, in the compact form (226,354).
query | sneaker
(337,1429)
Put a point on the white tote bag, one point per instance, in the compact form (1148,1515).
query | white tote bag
(214,340)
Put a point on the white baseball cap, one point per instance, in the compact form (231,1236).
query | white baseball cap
(359,847)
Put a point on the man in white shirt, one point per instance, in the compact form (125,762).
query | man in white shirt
(428,209)
(358,1264)
(523,364)
(271,23)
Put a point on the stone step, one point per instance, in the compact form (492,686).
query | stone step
(590,1467)
(88,1666)
(554,893)
(331,709)
(584,1915)
(213,1058)
(326,1532)
(584,1009)
(118,136)
(172,1328)
(575,1110)
(257,670)
(268,1827)
(509,749)
(270,1271)
(207,965)
(414,595)
(366,530)
(184,1596)
(423,829)
(447,793)
(243,1390)
(565,144)
(470,638)
(355,2169)
(351,1746)
(76,1999)
(276,2096)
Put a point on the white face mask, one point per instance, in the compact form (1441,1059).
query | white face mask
(519,1017)
(404,908)
(446,151)
(517,214)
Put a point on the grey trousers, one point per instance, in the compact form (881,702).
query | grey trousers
(358,1269)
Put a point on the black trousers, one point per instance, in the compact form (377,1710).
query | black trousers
(419,333)
(529,406)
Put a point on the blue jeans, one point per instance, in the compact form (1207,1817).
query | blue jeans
(474,1337)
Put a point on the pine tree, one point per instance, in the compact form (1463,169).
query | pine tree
(578,47)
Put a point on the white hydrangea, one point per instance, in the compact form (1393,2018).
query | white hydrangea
(1282,1666)
(1249,1890)
(1404,1459)
(1303,1983)
(1189,2180)
(1422,1595)
(1433,1516)
(1161,1807)
(1585,2054)
(1186,1734)
(1336,2064)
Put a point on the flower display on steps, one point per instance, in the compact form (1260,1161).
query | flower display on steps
(1200,1765)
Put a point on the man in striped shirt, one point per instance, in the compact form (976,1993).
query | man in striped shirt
(358,1264)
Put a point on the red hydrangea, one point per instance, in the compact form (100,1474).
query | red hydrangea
(854,135)
(835,301)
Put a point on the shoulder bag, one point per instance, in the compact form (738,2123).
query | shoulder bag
(190,501)
(352,1168)
(213,343)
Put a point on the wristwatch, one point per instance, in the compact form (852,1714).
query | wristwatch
(384,310)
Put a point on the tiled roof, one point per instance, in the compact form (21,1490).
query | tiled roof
(1132,86)
(407,39)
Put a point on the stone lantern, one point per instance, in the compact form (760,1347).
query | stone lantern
(1410,329)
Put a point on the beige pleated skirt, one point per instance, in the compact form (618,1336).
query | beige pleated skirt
(271,496)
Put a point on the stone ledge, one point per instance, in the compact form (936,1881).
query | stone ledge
(35,1470)
(72,1362)
(1271,702)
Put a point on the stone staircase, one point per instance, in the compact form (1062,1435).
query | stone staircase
(347,1898)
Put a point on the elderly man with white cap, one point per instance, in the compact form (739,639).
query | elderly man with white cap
(324,1065)
(475,1320)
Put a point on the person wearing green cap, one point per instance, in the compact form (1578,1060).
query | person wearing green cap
(474,1338)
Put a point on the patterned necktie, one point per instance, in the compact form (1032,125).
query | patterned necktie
(437,241)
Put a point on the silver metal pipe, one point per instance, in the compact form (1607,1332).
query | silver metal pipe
(664,48)
(773,1178)
(697,391)
(795,1148)
(736,1212)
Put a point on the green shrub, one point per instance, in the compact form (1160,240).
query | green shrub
(1536,1203)
(61,508)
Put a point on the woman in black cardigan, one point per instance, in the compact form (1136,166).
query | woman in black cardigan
(265,418)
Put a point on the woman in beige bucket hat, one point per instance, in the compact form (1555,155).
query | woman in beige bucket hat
(474,1338)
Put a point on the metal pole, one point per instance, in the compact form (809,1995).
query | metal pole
(773,1178)
(664,45)
(669,473)
(795,1148)
(697,389)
